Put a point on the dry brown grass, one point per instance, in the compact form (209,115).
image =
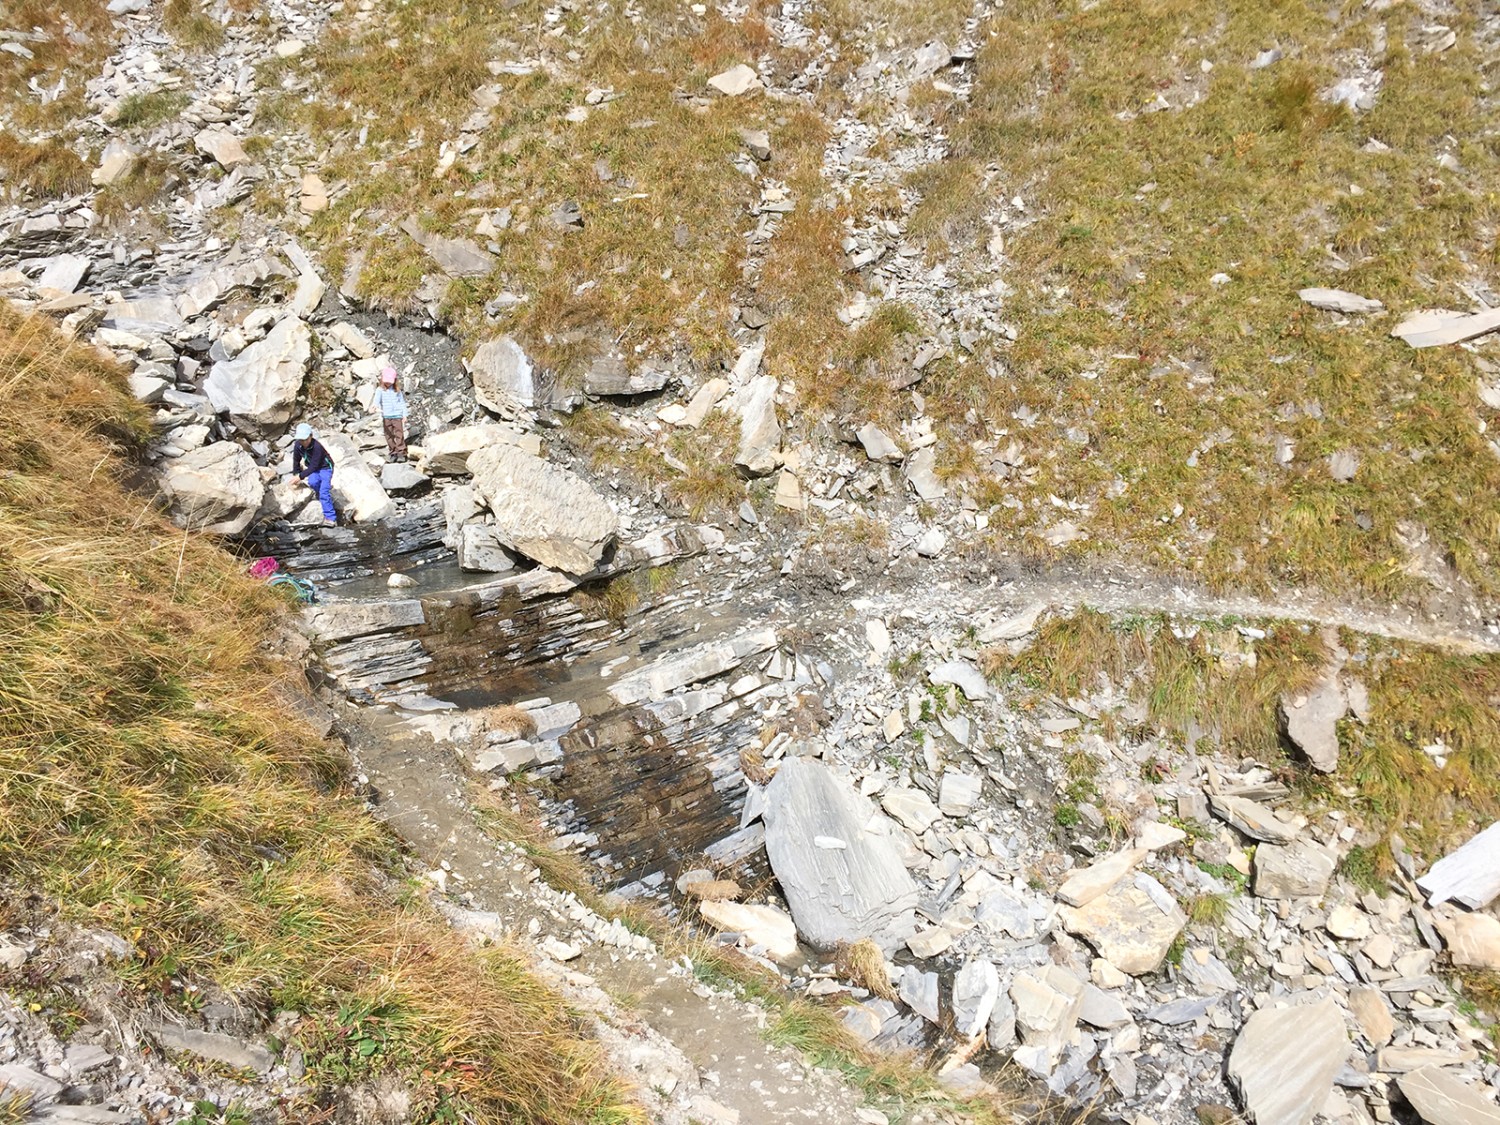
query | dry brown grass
(75,36)
(48,169)
(863,964)
(153,782)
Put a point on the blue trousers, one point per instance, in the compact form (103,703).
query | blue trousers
(322,483)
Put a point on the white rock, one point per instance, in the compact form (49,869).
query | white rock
(544,511)
(447,453)
(962,675)
(976,987)
(760,432)
(1339,300)
(762,925)
(259,387)
(958,793)
(222,146)
(216,488)
(1284,1061)
(504,378)
(480,549)
(736,80)
(356,490)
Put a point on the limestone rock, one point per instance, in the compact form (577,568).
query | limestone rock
(919,992)
(398,476)
(1339,300)
(877,446)
(608,376)
(689,666)
(976,987)
(760,432)
(962,675)
(223,146)
(735,81)
(958,793)
(1083,886)
(479,549)
(836,894)
(116,162)
(542,510)
(1470,875)
(216,488)
(1132,925)
(1373,1015)
(1347,921)
(259,386)
(447,453)
(212,1045)
(1441,1098)
(1432,328)
(921,474)
(913,808)
(1047,1002)
(504,378)
(457,257)
(312,195)
(1284,1061)
(356,490)
(1311,718)
(1473,939)
(1254,820)
(1295,870)
(762,925)
(757,143)
(704,400)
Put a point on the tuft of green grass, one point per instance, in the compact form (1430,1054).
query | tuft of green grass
(1208,909)
(143,110)
(192,27)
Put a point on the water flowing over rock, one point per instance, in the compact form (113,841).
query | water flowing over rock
(836,894)
(1284,1061)
(543,511)
(216,488)
(260,386)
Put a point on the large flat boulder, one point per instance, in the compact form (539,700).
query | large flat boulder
(1284,1061)
(215,488)
(447,453)
(542,510)
(837,894)
(259,386)
(1132,924)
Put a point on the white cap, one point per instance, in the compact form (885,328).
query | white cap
(304,431)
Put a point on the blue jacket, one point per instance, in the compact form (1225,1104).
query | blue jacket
(310,460)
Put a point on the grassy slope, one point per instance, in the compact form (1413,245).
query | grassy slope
(152,782)
(1263,181)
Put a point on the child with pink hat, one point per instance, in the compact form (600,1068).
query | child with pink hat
(390,404)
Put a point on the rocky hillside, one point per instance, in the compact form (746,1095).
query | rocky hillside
(942,569)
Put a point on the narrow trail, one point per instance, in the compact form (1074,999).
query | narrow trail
(1124,590)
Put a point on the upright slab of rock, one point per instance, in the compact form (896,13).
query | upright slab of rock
(542,510)
(1284,1061)
(760,433)
(259,386)
(357,491)
(504,378)
(1310,720)
(836,894)
(216,488)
